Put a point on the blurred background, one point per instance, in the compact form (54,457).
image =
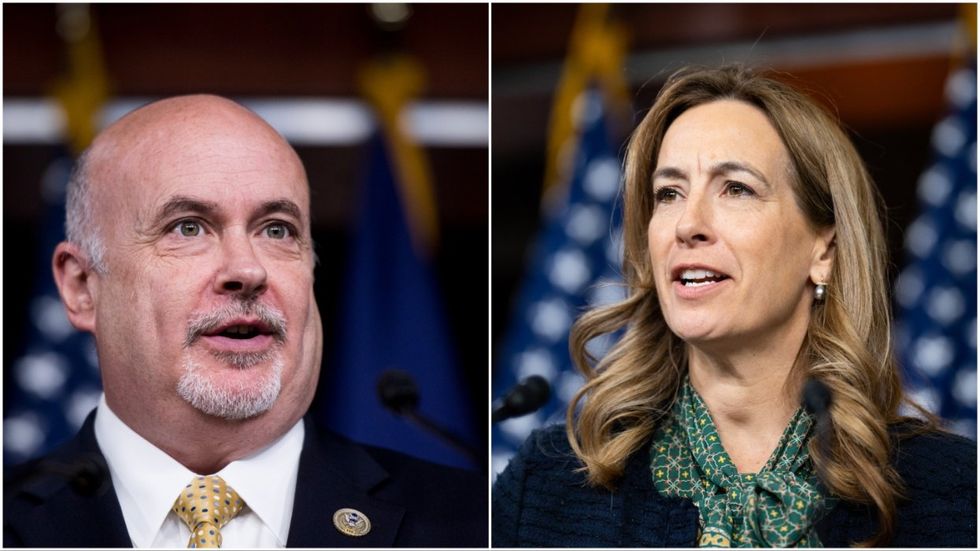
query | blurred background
(568,84)
(387,107)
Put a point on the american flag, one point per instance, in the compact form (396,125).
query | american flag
(55,382)
(575,264)
(936,293)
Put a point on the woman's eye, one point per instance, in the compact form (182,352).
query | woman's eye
(189,228)
(277,231)
(665,195)
(737,189)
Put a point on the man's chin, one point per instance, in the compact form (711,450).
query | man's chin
(232,388)
(217,360)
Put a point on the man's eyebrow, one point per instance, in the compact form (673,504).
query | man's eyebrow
(284,206)
(736,166)
(182,204)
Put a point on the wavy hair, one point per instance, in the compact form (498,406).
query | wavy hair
(848,342)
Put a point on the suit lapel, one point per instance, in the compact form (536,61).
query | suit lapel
(64,516)
(336,474)
(76,520)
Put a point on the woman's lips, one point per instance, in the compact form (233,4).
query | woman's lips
(701,290)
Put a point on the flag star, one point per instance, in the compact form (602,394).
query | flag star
(712,438)
(799,504)
(660,474)
(783,529)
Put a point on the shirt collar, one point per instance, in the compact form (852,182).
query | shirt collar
(147,480)
(266,480)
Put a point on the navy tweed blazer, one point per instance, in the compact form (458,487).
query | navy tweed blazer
(541,501)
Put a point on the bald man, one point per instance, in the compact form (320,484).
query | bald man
(189,258)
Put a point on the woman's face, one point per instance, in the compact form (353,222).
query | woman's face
(731,252)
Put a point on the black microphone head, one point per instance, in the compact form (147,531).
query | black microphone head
(397,391)
(816,397)
(529,395)
(91,475)
(538,389)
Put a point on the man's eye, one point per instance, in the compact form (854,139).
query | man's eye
(189,228)
(277,231)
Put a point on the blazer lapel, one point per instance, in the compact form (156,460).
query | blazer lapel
(649,518)
(336,474)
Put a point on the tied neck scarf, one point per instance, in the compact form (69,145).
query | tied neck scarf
(776,507)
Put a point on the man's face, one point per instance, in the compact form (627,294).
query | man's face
(208,298)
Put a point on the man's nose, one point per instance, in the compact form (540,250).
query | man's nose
(694,225)
(241,270)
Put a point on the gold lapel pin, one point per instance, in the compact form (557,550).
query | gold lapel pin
(351,522)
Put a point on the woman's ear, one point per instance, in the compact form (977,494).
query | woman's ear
(823,255)
(74,276)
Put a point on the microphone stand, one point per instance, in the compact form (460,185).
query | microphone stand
(397,392)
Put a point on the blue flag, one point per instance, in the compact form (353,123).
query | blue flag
(936,293)
(576,263)
(391,318)
(56,379)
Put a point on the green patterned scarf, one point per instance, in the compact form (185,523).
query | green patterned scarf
(776,507)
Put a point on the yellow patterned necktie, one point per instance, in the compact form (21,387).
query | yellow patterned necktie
(205,506)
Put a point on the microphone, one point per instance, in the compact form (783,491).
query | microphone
(87,475)
(523,398)
(398,392)
(817,399)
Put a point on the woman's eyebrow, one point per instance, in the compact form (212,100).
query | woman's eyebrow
(727,167)
(669,173)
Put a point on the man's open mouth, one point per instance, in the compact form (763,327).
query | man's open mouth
(240,330)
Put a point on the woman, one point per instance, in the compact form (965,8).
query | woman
(755,262)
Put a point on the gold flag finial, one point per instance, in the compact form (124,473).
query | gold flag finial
(596,53)
(390,83)
(84,87)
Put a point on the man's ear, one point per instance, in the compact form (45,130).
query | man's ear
(76,284)
(823,255)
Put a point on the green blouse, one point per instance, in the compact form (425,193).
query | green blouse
(776,507)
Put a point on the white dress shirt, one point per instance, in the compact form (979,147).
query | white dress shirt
(147,482)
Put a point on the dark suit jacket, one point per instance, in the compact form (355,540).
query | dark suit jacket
(410,502)
(542,500)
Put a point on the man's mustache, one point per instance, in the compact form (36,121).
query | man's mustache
(208,322)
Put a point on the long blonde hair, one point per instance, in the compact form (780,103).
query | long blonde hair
(848,343)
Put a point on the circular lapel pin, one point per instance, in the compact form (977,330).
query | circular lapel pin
(351,522)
